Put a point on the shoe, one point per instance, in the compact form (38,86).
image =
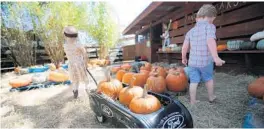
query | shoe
(75,94)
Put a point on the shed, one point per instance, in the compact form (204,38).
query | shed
(235,21)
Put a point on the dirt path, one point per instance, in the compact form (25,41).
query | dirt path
(55,107)
(47,108)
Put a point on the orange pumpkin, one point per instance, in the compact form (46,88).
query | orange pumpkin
(168,49)
(58,76)
(126,66)
(110,87)
(176,81)
(127,78)
(115,69)
(175,25)
(146,72)
(221,47)
(144,104)
(256,88)
(140,79)
(160,70)
(147,67)
(20,82)
(120,74)
(156,83)
(128,93)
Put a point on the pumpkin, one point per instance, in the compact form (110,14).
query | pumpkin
(260,45)
(234,45)
(247,45)
(257,36)
(127,78)
(221,47)
(39,78)
(58,76)
(147,67)
(156,83)
(168,49)
(140,79)
(160,70)
(126,66)
(128,93)
(52,67)
(110,87)
(115,69)
(146,72)
(256,88)
(175,25)
(145,104)
(20,82)
(120,74)
(176,80)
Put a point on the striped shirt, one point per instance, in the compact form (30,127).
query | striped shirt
(200,55)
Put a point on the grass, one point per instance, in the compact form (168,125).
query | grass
(55,107)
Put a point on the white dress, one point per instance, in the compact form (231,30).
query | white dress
(76,62)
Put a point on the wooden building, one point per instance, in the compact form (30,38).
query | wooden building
(235,20)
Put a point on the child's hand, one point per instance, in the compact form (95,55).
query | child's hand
(184,61)
(218,61)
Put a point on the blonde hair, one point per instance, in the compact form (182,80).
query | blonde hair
(207,10)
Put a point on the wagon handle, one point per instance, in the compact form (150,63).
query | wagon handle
(92,77)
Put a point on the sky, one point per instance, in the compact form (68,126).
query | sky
(128,10)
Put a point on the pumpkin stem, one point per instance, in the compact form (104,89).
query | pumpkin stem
(145,91)
(176,73)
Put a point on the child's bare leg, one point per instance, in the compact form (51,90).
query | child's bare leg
(193,88)
(210,88)
(75,86)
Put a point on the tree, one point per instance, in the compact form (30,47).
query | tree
(16,33)
(103,27)
(51,18)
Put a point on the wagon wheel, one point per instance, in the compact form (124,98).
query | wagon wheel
(100,118)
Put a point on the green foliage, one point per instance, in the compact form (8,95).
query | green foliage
(103,27)
(52,18)
(18,40)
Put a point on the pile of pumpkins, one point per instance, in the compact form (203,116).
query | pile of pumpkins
(256,88)
(99,62)
(150,78)
(55,75)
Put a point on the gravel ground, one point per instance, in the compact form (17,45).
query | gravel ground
(55,107)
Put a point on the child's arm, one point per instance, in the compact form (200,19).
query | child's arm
(185,48)
(212,45)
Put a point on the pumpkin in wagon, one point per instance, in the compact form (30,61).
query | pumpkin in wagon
(110,87)
(128,93)
(156,83)
(145,104)
(115,69)
(126,66)
(120,74)
(140,79)
(176,80)
(20,82)
(147,67)
(160,70)
(127,78)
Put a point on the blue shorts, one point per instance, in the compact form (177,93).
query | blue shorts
(197,74)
